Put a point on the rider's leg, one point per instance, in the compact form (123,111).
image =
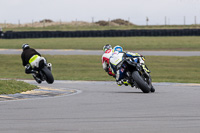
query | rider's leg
(28,69)
(37,79)
(119,77)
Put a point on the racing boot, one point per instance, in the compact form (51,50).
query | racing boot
(119,83)
(124,81)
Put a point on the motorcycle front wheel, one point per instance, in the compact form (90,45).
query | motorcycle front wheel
(142,84)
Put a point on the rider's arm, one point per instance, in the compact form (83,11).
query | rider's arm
(23,59)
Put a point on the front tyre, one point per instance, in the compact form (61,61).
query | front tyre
(152,89)
(144,86)
(48,75)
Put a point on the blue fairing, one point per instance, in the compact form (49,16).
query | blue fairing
(136,60)
(129,55)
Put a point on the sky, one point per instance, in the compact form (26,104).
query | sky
(158,12)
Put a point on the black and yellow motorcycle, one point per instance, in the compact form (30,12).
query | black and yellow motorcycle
(135,74)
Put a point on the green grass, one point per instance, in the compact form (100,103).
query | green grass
(128,43)
(174,69)
(13,86)
(85,67)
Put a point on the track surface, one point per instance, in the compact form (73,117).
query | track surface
(100,52)
(103,107)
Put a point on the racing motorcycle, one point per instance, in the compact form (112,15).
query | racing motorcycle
(43,73)
(135,74)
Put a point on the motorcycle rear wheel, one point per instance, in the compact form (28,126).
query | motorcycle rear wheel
(48,75)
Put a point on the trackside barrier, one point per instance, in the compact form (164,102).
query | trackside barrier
(103,33)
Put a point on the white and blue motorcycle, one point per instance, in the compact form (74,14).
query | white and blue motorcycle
(132,72)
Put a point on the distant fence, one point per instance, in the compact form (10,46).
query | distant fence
(99,33)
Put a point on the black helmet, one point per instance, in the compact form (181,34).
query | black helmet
(24,46)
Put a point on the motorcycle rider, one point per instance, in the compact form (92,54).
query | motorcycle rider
(117,54)
(105,59)
(30,59)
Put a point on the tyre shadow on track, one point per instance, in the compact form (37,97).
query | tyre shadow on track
(128,92)
(131,92)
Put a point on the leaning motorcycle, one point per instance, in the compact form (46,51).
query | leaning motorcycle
(43,73)
(135,74)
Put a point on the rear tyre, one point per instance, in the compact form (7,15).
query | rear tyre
(144,86)
(48,75)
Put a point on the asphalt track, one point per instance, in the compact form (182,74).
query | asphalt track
(100,52)
(103,107)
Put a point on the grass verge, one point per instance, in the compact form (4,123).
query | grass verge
(13,86)
(128,43)
(86,67)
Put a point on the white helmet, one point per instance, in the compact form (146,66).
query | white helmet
(118,48)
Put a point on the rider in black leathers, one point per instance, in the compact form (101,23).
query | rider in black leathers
(30,58)
(26,56)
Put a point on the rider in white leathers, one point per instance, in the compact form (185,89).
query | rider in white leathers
(106,59)
(117,57)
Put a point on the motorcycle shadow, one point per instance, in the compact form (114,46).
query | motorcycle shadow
(129,92)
